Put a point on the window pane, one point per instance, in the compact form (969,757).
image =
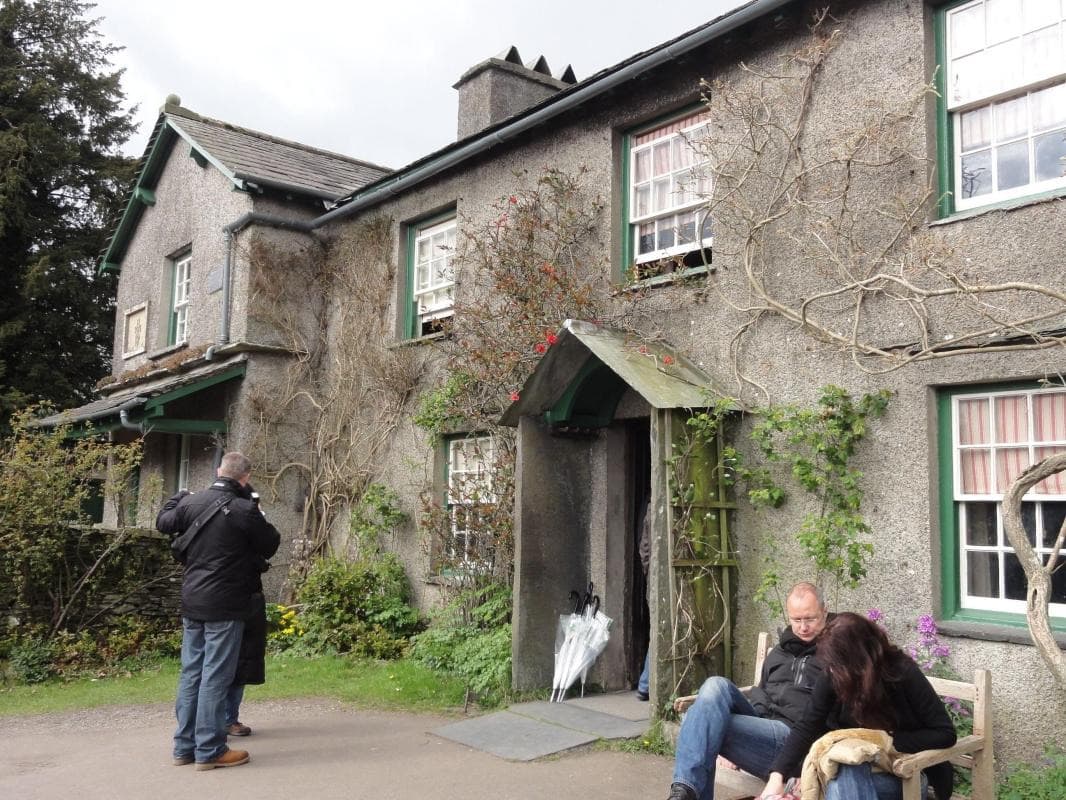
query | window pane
(683,193)
(1003,19)
(1054,514)
(661,159)
(1049,417)
(1003,67)
(682,153)
(1053,484)
(982,572)
(1038,13)
(641,200)
(974,475)
(646,238)
(666,233)
(1012,419)
(642,165)
(1012,165)
(1042,54)
(706,227)
(976,128)
(1013,578)
(1048,107)
(980,524)
(973,421)
(977,174)
(1049,152)
(1028,523)
(1010,463)
(1012,119)
(686,228)
(969,77)
(661,195)
(967,30)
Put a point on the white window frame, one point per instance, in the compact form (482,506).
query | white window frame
(433,271)
(997,72)
(467,476)
(183,462)
(1052,490)
(180,303)
(689,185)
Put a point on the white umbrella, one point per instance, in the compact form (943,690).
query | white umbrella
(582,644)
(566,635)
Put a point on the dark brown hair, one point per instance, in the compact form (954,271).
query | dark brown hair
(860,659)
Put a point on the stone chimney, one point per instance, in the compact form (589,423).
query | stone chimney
(502,86)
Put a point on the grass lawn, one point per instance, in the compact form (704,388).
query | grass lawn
(401,685)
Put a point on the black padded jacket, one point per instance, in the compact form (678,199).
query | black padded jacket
(223,562)
(788,677)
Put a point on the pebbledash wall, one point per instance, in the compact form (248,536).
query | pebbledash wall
(887,50)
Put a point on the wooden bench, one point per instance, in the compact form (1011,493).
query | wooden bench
(973,752)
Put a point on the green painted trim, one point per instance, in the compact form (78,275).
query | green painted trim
(410,315)
(564,406)
(198,157)
(169,425)
(945,160)
(172,318)
(159,401)
(593,371)
(950,581)
(144,196)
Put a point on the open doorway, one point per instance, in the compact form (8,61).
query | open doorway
(638,450)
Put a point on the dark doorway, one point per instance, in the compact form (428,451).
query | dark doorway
(638,449)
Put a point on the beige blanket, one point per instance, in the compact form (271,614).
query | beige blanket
(845,746)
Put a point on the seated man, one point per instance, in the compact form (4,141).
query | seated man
(750,731)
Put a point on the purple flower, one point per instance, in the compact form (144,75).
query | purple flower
(941,651)
(926,625)
(875,615)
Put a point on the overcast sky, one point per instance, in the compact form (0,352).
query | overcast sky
(370,80)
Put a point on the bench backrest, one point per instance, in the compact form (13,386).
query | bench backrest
(979,693)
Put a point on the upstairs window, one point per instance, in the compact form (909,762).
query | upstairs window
(995,436)
(1004,99)
(432,275)
(471,501)
(668,187)
(179,307)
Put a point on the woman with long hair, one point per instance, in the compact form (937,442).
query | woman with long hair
(867,682)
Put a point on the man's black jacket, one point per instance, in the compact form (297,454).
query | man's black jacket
(222,564)
(788,676)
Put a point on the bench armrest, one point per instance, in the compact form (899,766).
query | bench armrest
(907,765)
(682,704)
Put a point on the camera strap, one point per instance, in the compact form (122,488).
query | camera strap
(181,543)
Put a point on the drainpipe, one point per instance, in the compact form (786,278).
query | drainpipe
(124,414)
(228,232)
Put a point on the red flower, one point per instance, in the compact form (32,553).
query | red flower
(539,347)
(643,350)
(514,397)
(668,360)
(512,200)
(551,338)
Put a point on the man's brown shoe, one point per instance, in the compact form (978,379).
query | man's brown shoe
(231,758)
(238,729)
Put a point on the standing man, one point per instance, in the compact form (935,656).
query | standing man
(749,732)
(222,541)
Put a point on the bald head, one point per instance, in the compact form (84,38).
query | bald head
(805,606)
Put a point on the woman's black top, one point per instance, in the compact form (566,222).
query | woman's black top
(922,723)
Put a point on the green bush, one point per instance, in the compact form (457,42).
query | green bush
(357,607)
(1045,780)
(471,639)
(31,660)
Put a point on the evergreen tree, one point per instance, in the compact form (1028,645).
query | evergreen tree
(62,182)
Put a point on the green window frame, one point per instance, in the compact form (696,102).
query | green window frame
(430,272)
(986,435)
(1001,102)
(666,182)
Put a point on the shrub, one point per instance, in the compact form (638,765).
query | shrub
(357,607)
(1045,780)
(31,660)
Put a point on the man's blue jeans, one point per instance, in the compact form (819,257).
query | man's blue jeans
(723,722)
(208,662)
(860,782)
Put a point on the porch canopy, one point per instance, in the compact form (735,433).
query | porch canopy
(597,423)
(144,405)
(584,374)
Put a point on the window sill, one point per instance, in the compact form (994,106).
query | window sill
(420,340)
(155,355)
(993,632)
(666,279)
(1005,205)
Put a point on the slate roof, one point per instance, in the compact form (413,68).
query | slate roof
(257,157)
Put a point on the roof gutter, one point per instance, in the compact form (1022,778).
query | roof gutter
(228,232)
(697,38)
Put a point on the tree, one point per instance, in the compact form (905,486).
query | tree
(61,182)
